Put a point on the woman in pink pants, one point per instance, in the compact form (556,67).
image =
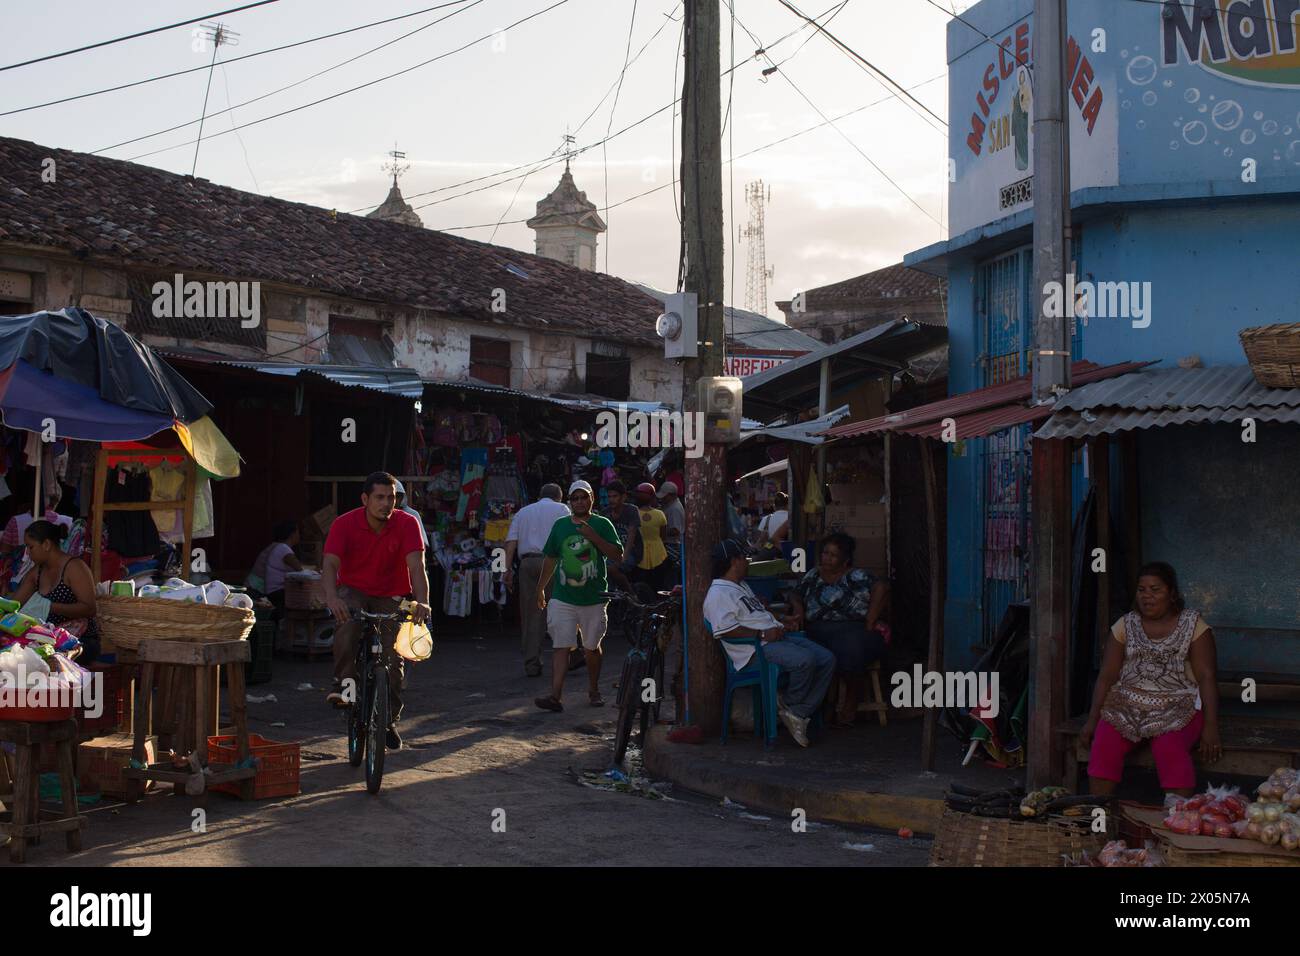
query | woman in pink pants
(1157,683)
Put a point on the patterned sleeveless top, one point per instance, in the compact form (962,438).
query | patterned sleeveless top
(85,628)
(1154,694)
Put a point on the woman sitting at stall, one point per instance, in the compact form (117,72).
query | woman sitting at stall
(839,607)
(1157,683)
(60,588)
(274,562)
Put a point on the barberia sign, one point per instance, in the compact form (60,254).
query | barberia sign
(994,127)
(742,365)
(1250,41)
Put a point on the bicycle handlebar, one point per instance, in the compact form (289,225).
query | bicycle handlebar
(367,615)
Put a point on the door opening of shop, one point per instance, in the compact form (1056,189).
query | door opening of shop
(489,360)
(609,376)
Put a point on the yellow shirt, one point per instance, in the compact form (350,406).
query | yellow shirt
(653,552)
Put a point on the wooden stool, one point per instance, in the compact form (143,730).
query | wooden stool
(202,662)
(877,703)
(27,736)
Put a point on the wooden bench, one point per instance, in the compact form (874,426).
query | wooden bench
(1251,747)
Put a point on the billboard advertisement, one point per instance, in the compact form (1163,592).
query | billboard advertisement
(1196,92)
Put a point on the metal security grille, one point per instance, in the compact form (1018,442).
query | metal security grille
(1003,300)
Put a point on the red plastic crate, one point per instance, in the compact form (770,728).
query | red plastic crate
(278,765)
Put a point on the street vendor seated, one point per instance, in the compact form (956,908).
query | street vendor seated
(733,610)
(274,562)
(1157,683)
(840,607)
(59,589)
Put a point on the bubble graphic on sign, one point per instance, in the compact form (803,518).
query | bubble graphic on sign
(1141,70)
(1258,114)
(1141,124)
(1124,54)
(1293,152)
(1126,104)
(1227,151)
(1191,94)
(1269,127)
(1194,133)
(1227,114)
(1248,136)
(1167,84)
(1173,144)
(1149,98)
(1202,108)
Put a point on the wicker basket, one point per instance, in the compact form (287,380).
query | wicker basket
(968,840)
(1274,354)
(126,621)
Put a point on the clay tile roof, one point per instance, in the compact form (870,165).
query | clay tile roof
(890,282)
(151,220)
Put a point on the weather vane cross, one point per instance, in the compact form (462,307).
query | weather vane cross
(396,166)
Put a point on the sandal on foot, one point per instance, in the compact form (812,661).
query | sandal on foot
(596,700)
(549,703)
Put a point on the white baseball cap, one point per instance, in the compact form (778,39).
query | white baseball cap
(580,485)
(668,488)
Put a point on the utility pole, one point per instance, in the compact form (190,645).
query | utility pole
(1050,541)
(706,476)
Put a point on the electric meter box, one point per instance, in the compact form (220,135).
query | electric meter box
(679,325)
(720,401)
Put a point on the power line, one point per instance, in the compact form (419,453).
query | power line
(604,149)
(756,149)
(133,36)
(291,86)
(246,56)
(550,160)
(863,62)
(668,18)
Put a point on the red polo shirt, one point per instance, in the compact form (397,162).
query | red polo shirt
(374,564)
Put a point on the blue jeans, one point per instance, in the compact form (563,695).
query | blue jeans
(811,668)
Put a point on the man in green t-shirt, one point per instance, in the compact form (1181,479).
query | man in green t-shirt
(575,553)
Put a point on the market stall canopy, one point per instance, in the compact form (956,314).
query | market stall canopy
(809,433)
(71,347)
(30,398)
(202,440)
(1169,396)
(390,380)
(794,386)
(981,412)
(776,468)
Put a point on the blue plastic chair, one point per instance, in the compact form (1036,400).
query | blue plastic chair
(758,675)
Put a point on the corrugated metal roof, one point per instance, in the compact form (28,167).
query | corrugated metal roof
(402,382)
(793,385)
(970,409)
(1172,396)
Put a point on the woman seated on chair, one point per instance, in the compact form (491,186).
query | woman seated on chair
(1157,683)
(840,607)
(59,588)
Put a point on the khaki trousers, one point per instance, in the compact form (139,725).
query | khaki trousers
(532,622)
(345,645)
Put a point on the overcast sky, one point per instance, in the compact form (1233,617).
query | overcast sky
(505,102)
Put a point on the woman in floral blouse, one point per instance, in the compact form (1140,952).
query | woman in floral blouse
(839,606)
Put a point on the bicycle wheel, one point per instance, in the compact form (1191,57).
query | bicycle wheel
(657,673)
(357,720)
(376,726)
(629,694)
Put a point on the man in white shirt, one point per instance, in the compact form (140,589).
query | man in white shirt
(419,518)
(775,527)
(733,610)
(529,529)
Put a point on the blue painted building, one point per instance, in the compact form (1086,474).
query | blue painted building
(1185,155)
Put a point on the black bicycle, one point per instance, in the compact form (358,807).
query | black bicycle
(368,711)
(641,684)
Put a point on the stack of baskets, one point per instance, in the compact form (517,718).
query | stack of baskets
(990,835)
(126,621)
(1274,354)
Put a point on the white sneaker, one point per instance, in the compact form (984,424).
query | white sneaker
(798,726)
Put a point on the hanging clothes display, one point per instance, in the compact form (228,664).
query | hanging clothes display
(168,484)
(130,533)
(473,466)
(458,594)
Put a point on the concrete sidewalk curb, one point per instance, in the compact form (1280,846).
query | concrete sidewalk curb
(758,790)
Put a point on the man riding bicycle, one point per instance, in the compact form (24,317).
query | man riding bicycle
(374,557)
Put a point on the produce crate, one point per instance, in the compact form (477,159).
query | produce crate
(100,763)
(278,765)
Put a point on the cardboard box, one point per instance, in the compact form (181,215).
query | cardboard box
(100,763)
(324,518)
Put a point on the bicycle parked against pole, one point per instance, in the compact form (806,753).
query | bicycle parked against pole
(641,684)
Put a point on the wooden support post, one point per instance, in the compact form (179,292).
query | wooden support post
(1101,475)
(97,511)
(1132,511)
(938,591)
(1049,609)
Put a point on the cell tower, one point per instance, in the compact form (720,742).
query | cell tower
(757,274)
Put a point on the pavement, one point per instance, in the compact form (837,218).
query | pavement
(868,776)
(485,778)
